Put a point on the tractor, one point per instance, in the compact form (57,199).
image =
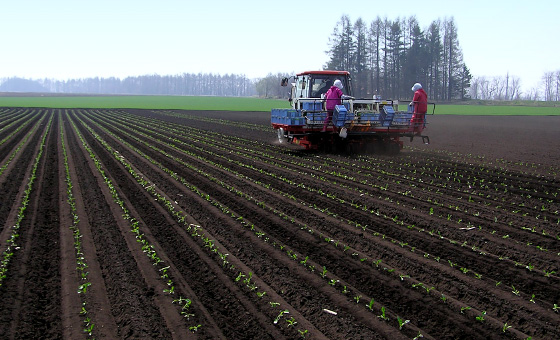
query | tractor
(358,125)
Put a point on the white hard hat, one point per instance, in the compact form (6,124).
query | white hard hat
(338,84)
(416,87)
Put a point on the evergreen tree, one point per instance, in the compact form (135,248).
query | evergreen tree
(374,55)
(435,52)
(360,59)
(395,51)
(342,46)
(417,61)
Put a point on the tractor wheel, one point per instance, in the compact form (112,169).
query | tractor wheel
(393,149)
(375,147)
(281,138)
(351,148)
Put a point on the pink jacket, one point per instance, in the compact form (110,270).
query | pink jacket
(332,98)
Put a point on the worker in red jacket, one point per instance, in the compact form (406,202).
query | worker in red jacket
(420,107)
(420,99)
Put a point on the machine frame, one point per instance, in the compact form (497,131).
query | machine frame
(359,124)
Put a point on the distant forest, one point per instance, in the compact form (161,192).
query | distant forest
(384,57)
(184,84)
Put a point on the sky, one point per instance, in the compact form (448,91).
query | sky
(68,39)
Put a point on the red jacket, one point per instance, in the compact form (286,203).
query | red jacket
(420,101)
(332,98)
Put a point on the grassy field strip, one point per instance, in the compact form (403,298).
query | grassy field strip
(203,103)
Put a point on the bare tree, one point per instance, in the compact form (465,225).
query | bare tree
(548,86)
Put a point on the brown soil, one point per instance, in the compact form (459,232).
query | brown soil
(200,225)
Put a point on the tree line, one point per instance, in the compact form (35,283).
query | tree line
(184,84)
(388,56)
(508,87)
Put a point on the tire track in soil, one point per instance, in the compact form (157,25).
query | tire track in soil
(12,180)
(96,299)
(133,305)
(7,147)
(13,187)
(231,316)
(34,292)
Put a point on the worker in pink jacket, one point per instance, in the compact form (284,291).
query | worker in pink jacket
(332,99)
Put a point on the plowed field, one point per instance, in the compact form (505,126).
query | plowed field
(152,224)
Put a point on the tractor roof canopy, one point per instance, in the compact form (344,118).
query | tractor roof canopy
(341,73)
(313,84)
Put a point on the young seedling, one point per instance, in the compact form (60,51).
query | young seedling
(428,289)
(194,328)
(506,327)
(547,274)
(402,322)
(83,288)
(89,326)
(239,277)
(383,315)
(481,316)
(248,279)
(370,305)
(357,298)
(280,315)
(324,273)
(291,322)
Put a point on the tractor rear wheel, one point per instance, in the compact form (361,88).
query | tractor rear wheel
(392,148)
(281,137)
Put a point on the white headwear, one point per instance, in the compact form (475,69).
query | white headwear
(416,87)
(338,84)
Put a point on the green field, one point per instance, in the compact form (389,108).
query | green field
(146,102)
(236,104)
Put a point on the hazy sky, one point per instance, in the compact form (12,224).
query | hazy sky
(65,39)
